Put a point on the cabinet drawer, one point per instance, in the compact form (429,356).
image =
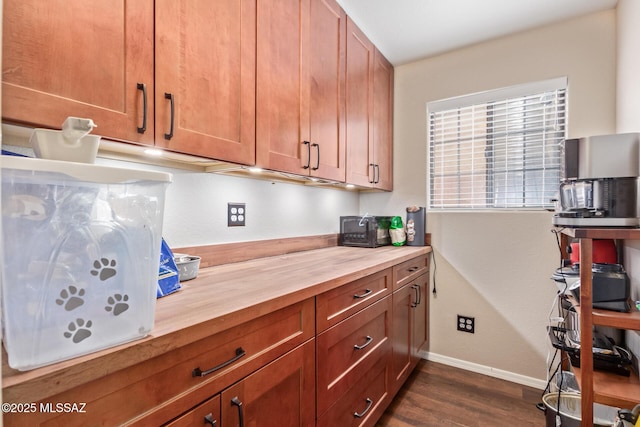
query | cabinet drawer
(408,270)
(155,391)
(339,303)
(363,404)
(349,349)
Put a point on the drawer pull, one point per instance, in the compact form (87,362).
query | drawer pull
(143,88)
(208,420)
(236,402)
(171,99)
(417,301)
(360,347)
(317,158)
(363,413)
(412,269)
(366,293)
(308,144)
(197,372)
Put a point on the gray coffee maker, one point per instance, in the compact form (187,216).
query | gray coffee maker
(600,184)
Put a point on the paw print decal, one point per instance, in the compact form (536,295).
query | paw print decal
(71,298)
(104,268)
(117,304)
(78,330)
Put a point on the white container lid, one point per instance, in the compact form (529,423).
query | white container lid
(84,171)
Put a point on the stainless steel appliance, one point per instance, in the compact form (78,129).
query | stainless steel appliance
(364,231)
(600,183)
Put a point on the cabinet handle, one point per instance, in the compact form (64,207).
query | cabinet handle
(373,171)
(317,158)
(236,402)
(419,294)
(170,97)
(367,342)
(412,269)
(376,177)
(208,420)
(143,88)
(197,372)
(308,144)
(363,413)
(417,289)
(366,293)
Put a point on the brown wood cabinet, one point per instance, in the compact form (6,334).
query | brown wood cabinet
(369,113)
(156,391)
(293,86)
(346,351)
(96,60)
(409,324)
(79,58)
(205,78)
(314,349)
(282,393)
(205,414)
(300,88)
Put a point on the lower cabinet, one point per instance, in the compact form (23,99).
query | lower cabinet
(283,393)
(336,359)
(279,394)
(409,329)
(205,414)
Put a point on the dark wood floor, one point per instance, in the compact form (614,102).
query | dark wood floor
(440,395)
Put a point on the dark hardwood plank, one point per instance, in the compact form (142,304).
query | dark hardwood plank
(441,395)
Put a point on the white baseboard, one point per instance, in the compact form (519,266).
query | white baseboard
(486,370)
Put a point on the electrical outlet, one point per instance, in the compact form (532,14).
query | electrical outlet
(236,214)
(466,324)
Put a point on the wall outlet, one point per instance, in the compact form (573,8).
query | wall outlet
(236,214)
(466,324)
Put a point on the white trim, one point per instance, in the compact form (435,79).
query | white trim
(485,370)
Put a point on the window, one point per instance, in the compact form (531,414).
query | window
(497,150)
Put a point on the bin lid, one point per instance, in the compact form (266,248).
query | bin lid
(84,171)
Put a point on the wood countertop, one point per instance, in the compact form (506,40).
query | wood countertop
(220,298)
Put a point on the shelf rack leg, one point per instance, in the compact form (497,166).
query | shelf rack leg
(586,330)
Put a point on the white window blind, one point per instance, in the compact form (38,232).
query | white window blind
(497,150)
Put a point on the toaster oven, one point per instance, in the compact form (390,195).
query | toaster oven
(364,231)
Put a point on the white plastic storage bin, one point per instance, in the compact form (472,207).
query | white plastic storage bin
(81,248)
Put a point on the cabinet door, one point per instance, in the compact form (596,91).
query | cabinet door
(205,78)
(280,394)
(410,328)
(359,104)
(401,358)
(327,90)
(383,122)
(420,321)
(205,414)
(79,58)
(282,91)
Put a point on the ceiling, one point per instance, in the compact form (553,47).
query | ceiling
(407,30)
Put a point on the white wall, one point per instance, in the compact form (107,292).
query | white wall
(196,209)
(628,120)
(196,206)
(497,266)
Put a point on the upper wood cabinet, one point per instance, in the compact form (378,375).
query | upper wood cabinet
(290,85)
(369,104)
(78,58)
(300,88)
(205,78)
(96,59)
